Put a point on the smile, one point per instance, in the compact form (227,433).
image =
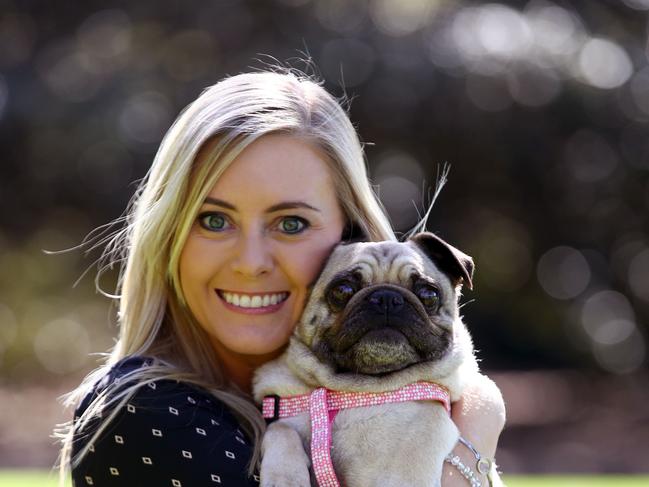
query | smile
(253,300)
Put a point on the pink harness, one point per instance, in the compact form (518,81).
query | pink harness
(323,405)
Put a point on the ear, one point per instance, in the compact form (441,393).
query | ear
(455,263)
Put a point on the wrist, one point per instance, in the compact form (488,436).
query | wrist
(476,469)
(451,472)
(480,418)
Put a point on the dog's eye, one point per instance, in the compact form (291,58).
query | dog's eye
(428,295)
(340,293)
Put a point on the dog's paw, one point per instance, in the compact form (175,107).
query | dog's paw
(284,462)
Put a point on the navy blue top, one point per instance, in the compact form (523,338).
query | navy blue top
(169,434)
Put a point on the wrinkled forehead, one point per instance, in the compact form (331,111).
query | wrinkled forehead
(387,262)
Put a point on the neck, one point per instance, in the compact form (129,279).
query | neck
(241,377)
(239,369)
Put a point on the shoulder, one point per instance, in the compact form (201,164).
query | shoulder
(153,395)
(152,392)
(166,430)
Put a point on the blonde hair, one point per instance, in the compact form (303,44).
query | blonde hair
(153,320)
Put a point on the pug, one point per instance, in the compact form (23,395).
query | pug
(380,316)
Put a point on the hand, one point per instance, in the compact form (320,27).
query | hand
(480,417)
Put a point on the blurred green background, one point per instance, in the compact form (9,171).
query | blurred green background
(540,107)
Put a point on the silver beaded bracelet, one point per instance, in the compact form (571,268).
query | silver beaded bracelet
(483,465)
(466,472)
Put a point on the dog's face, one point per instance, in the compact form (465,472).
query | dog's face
(379,307)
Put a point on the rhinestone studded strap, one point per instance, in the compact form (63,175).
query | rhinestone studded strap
(323,467)
(321,402)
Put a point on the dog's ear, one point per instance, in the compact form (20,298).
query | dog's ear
(455,263)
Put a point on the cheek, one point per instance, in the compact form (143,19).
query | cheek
(306,267)
(309,263)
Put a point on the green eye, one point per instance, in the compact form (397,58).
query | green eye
(214,222)
(292,224)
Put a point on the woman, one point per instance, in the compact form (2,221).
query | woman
(252,186)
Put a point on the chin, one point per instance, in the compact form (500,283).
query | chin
(258,346)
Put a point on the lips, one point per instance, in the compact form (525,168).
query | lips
(256,301)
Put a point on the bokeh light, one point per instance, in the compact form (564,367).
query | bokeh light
(341,15)
(502,32)
(622,357)
(404,17)
(398,176)
(637,4)
(532,86)
(604,64)
(639,275)
(144,118)
(601,310)
(639,87)
(589,157)
(609,321)
(563,272)
(65,72)
(62,346)
(557,32)
(104,41)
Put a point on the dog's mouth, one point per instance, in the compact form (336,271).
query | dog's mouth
(380,351)
(383,349)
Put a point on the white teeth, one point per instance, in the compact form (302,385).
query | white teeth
(256,301)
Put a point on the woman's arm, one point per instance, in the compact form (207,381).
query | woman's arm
(480,417)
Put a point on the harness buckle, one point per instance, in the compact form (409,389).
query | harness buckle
(276,399)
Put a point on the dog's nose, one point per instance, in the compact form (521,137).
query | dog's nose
(386,300)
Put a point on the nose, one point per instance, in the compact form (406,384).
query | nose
(252,257)
(386,301)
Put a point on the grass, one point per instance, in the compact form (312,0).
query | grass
(29,478)
(577,480)
(39,478)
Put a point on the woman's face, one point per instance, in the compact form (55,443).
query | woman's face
(260,239)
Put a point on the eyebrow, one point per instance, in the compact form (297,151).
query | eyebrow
(285,205)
